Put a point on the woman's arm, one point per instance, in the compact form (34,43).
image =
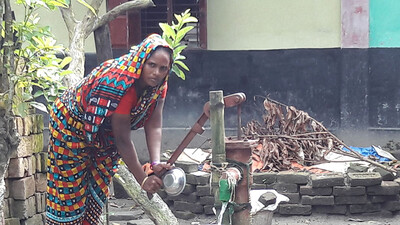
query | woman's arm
(153,130)
(121,129)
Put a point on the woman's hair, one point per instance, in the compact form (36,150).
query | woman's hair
(169,51)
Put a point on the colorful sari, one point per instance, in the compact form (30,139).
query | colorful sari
(82,157)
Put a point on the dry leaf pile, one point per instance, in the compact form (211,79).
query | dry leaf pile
(288,135)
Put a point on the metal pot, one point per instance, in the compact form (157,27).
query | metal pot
(174,181)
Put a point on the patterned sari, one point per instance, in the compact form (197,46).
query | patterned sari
(82,157)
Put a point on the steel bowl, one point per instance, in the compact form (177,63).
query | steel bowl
(174,181)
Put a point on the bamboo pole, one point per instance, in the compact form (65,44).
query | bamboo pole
(217,145)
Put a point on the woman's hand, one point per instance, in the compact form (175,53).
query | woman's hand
(160,168)
(152,184)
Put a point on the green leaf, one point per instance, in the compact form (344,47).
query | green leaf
(178,72)
(167,30)
(182,33)
(179,49)
(65,61)
(182,64)
(38,105)
(59,4)
(88,6)
(190,20)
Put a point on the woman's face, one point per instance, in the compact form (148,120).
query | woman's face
(155,69)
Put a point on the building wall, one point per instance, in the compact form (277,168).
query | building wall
(384,23)
(271,24)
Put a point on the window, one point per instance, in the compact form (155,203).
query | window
(144,22)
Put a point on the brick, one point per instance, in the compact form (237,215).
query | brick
(294,198)
(42,163)
(6,209)
(198,178)
(7,192)
(391,206)
(364,179)
(258,186)
(203,190)
(187,167)
(317,200)
(38,123)
(386,175)
(348,191)
(40,199)
(364,208)
(16,168)
(33,162)
(40,182)
(264,178)
(284,187)
(28,146)
(331,209)
(207,200)
(191,198)
(184,215)
(292,177)
(23,209)
(347,200)
(12,221)
(29,166)
(19,125)
(326,180)
(294,209)
(25,147)
(386,188)
(309,190)
(28,125)
(208,210)
(186,206)
(189,188)
(202,178)
(34,220)
(191,179)
(22,188)
(383,198)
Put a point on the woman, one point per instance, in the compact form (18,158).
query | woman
(90,130)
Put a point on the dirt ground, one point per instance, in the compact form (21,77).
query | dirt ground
(122,212)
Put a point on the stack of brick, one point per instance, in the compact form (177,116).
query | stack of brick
(25,198)
(196,197)
(332,193)
(328,193)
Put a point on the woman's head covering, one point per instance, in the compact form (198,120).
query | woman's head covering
(104,87)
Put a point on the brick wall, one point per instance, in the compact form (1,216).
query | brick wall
(332,193)
(25,180)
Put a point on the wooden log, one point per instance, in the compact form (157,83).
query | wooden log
(155,208)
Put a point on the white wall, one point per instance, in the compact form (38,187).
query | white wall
(273,24)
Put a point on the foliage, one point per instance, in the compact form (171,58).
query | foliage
(174,34)
(38,71)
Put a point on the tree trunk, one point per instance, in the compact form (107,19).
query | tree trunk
(156,208)
(8,136)
(77,52)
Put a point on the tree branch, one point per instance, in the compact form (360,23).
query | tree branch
(69,20)
(156,209)
(119,10)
